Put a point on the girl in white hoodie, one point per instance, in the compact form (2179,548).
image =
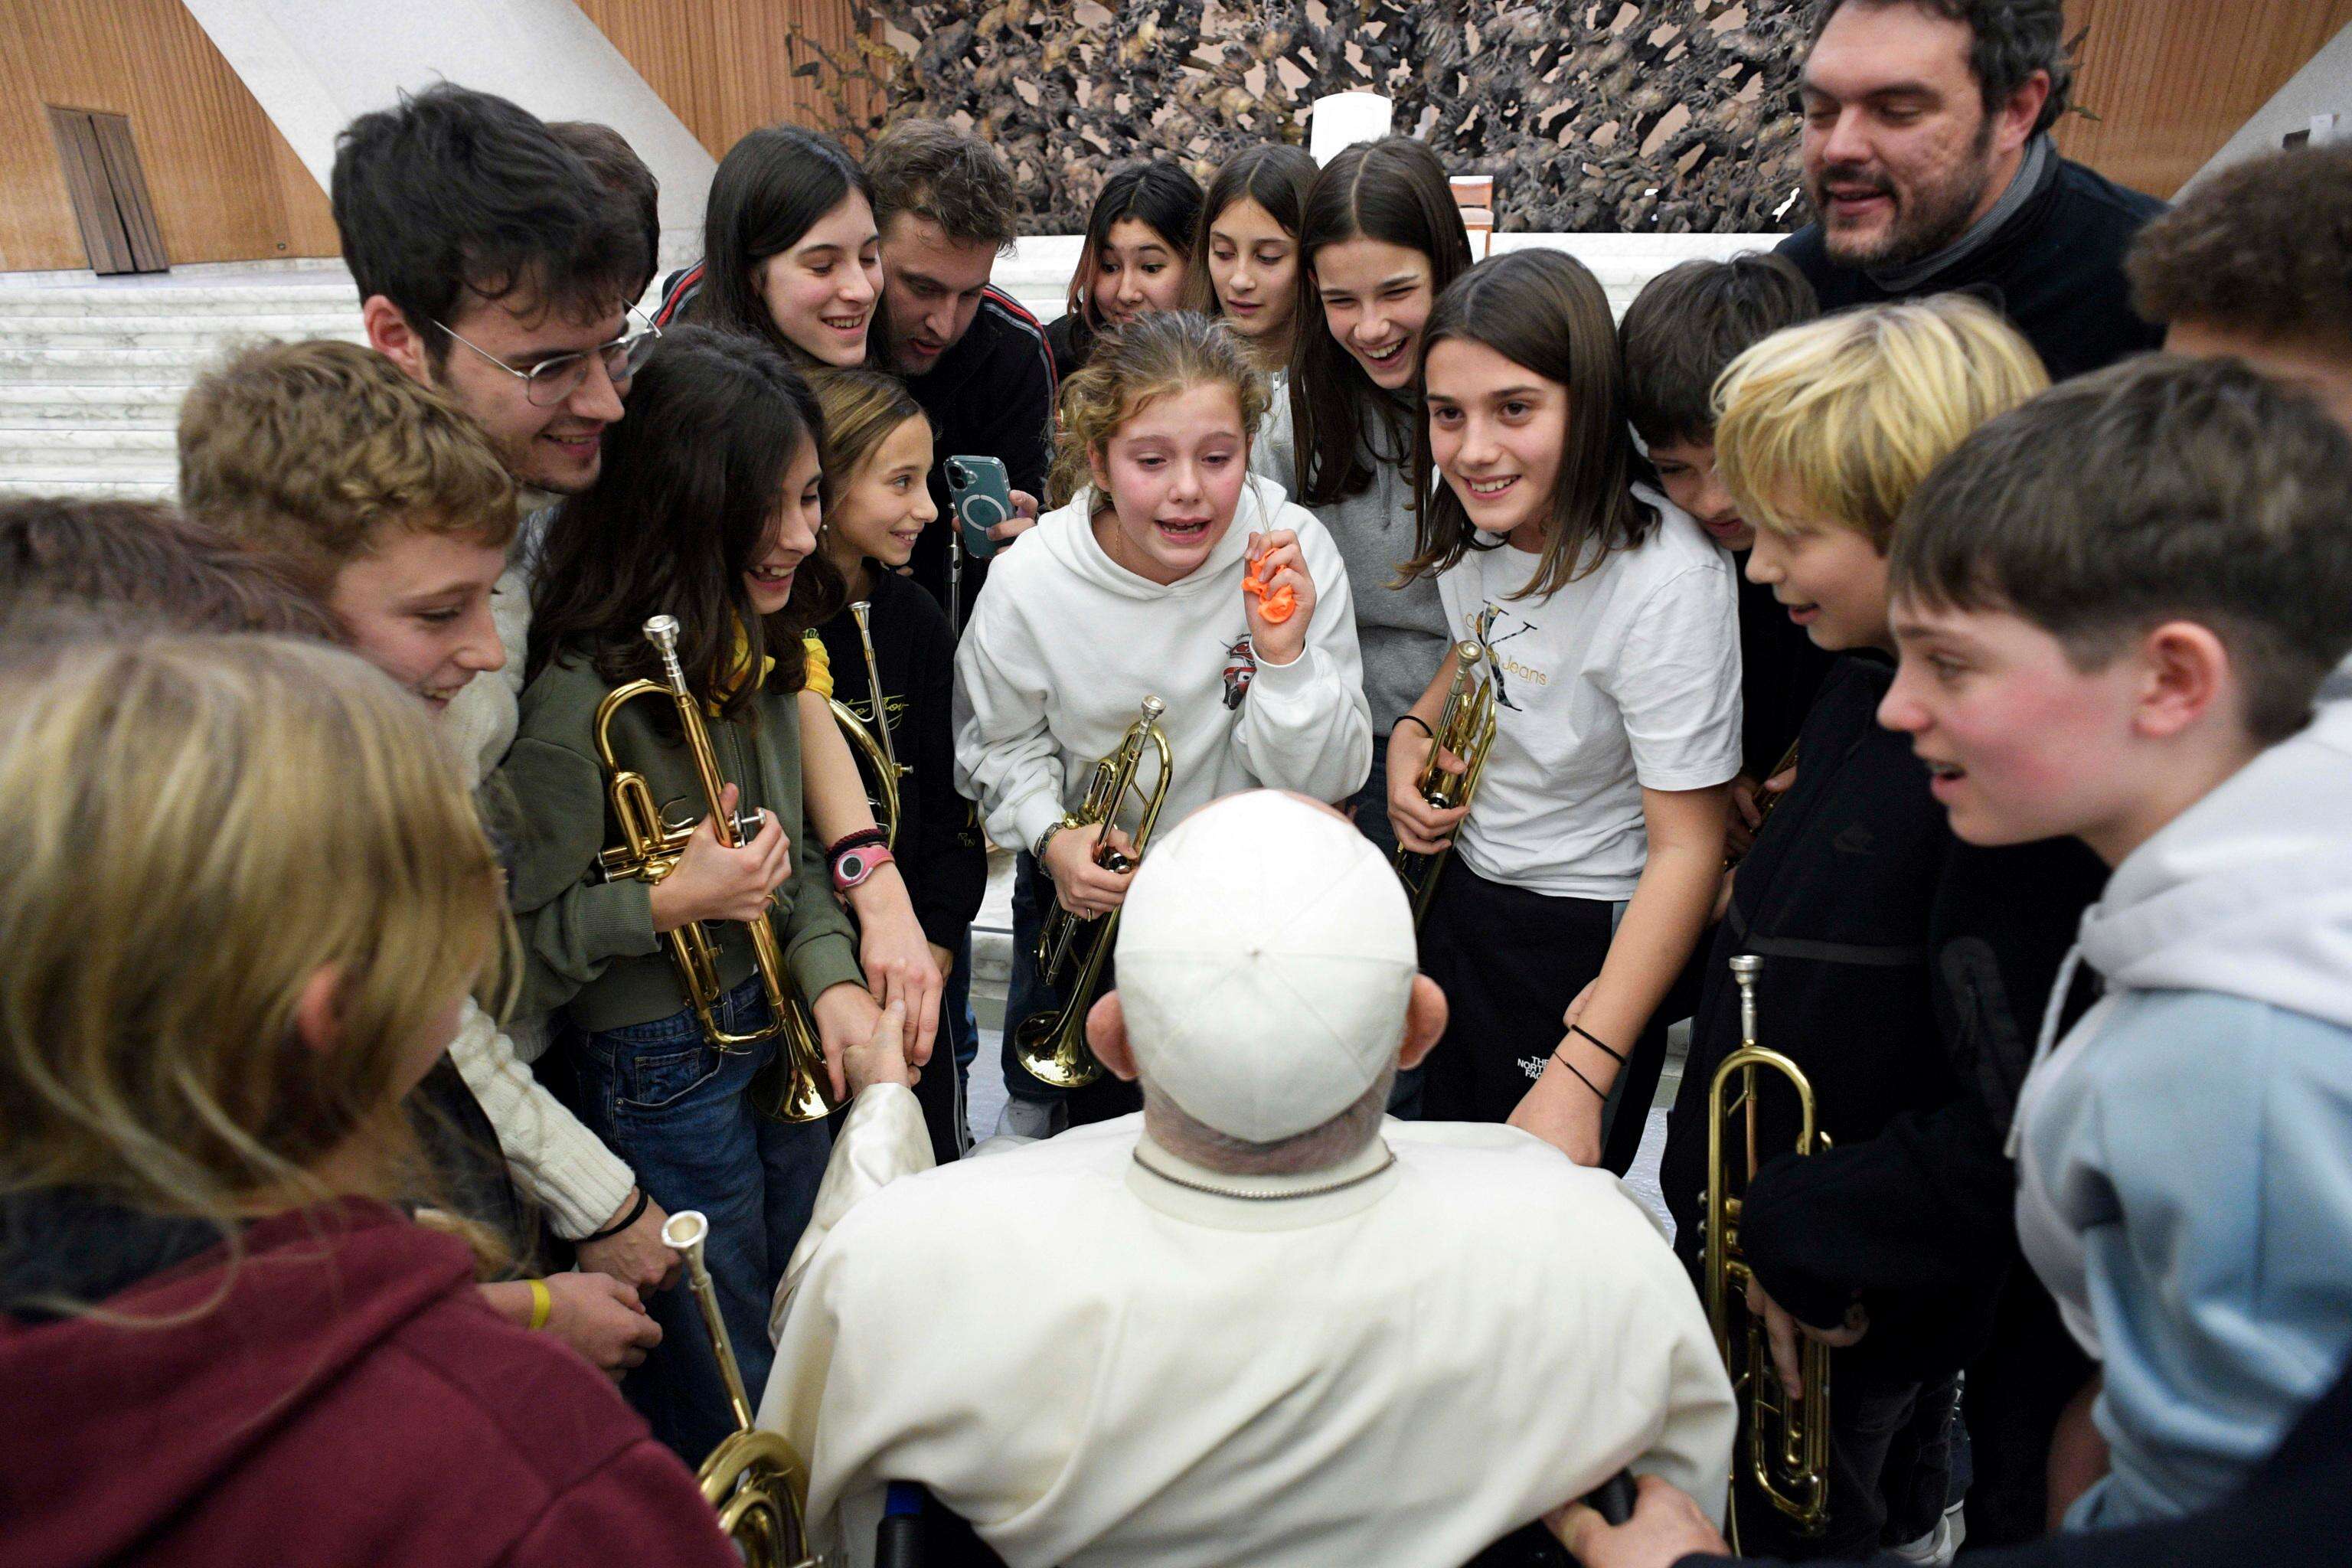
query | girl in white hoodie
(1139,586)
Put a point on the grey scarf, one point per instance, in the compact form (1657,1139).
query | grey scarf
(1907,279)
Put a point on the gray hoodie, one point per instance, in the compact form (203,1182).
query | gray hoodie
(1400,631)
(2185,1154)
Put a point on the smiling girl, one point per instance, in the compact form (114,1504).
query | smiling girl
(877,503)
(790,252)
(1136,259)
(1134,589)
(706,511)
(1584,871)
(1380,239)
(1245,254)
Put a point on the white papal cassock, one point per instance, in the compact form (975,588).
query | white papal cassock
(1099,1365)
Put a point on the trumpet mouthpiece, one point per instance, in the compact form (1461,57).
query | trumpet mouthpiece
(1746,966)
(685,1229)
(1153,708)
(662,630)
(1469,652)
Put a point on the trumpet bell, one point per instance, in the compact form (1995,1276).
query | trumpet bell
(1052,1046)
(754,1481)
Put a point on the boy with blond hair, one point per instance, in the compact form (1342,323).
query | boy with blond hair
(390,506)
(2133,662)
(1891,972)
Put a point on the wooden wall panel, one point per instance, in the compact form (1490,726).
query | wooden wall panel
(2173,80)
(226,186)
(724,66)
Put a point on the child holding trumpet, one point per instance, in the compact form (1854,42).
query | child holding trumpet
(1135,587)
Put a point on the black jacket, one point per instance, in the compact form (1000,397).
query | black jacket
(2295,1510)
(2055,268)
(939,851)
(1901,967)
(990,395)
(1072,338)
(1919,1218)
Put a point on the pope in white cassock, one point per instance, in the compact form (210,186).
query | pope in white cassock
(1258,1323)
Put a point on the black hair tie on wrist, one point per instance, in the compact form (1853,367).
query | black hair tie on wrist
(636,1213)
(1599,1093)
(1596,1040)
(1414,719)
(857,840)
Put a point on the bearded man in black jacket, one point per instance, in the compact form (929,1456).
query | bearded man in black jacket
(1928,162)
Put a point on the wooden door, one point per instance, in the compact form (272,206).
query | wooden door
(109,191)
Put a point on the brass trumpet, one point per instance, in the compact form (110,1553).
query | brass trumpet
(651,849)
(1053,1047)
(1788,1445)
(754,1478)
(1466,727)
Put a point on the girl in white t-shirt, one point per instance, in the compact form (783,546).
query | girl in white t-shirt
(1583,870)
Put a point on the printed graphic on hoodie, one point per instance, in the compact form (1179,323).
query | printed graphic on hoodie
(1241,663)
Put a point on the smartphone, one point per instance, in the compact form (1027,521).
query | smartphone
(982,498)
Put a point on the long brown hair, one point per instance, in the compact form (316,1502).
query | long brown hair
(690,479)
(1545,310)
(1274,174)
(774,186)
(1393,190)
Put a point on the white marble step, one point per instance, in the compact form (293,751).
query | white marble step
(42,481)
(204,335)
(39,405)
(307,299)
(97,367)
(128,453)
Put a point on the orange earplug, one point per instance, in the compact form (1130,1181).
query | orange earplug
(1276,606)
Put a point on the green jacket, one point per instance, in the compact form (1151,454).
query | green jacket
(591,946)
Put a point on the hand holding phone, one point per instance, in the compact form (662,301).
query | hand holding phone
(982,495)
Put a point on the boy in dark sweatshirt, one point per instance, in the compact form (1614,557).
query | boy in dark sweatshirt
(1885,951)
(1686,326)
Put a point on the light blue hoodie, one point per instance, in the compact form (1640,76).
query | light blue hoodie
(2185,1155)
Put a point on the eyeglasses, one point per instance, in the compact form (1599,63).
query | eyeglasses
(551,381)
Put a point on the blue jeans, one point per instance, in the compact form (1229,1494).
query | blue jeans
(957,1000)
(674,1108)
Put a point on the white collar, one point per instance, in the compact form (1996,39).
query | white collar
(1185,1190)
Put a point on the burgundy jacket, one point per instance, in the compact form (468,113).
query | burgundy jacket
(340,1396)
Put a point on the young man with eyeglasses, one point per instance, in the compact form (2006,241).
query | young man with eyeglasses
(495,264)
(493,267)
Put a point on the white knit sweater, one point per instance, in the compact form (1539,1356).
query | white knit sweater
(559,1162)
